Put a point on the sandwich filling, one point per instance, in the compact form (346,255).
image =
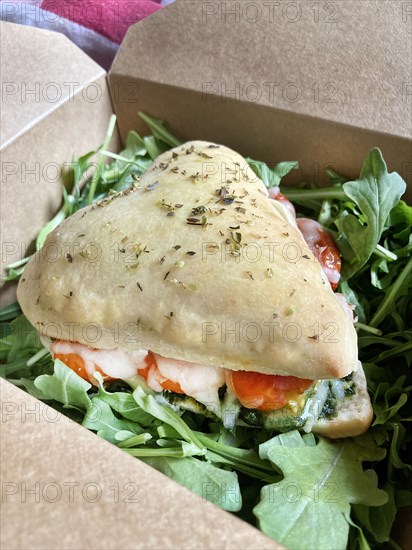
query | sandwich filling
(234,397)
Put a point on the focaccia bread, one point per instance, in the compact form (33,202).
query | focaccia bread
(354,413)
(194,262)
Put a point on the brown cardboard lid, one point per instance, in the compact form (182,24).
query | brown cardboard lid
(320,83)
(64,487)
(55,104)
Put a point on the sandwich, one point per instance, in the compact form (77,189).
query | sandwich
(200,285)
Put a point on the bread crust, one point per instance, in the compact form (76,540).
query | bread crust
(195,264)
(354,415)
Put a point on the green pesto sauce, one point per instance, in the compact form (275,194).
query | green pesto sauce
(329,409)
(186,403)
(281,420)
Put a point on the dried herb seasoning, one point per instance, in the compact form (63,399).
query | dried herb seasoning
(152,186)
(198,210)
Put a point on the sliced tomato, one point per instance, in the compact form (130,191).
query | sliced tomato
(77,364)
(165,383)
(172,386)
(266,392)
(329,257)
(323,248)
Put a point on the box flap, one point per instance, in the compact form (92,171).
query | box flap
(64,487)
(321,83)
(40,70)
(55,104)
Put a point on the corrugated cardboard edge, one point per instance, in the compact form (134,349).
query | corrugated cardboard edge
(64,487)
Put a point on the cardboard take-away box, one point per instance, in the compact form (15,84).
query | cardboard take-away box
(55,105)
(319,82)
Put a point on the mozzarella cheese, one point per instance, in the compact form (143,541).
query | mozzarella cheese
(348,308)
(115,363)
(202,382)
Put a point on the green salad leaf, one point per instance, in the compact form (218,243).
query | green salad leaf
(271,176)
(64,386)
(378,520)
(20,344)
(375,193)
(320,483)
(101,419)
(203,478)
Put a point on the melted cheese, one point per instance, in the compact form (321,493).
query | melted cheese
(348,308)
(115,363)
(202,382)
(155,379)
(314,405)
(283,206)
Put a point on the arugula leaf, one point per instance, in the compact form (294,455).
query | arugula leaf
(159,131)
(398,439)
(214,484)
(64,386)
(19,344)
(378,520)
(10,312)
(243,460)
(154,148)
(320,484)
(101,419)
(400,214)
(165,414)
(290,439)
(375,193)
(135,146)
(100,159)
(14,271)
(395,392)
(271,177)
(127,439)
(124,404)
(357,539)
(399,288)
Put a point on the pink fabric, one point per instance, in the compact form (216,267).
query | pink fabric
(97,27)
(110,18)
